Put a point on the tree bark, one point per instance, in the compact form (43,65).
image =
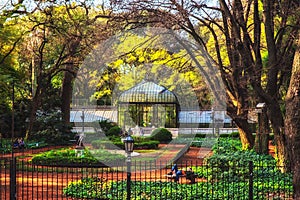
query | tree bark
(272,96)
(66,95)
(35,104)
(245,133)
(292,121)
(277,123)
(262,135)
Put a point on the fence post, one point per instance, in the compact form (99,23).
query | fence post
(13,179)
(250,180)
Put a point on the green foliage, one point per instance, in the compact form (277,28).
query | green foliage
(51,129)
(227,145)
(204,142)
(106,125)
(162,135)
(230,164)
(138,139)
(88,188)
(5,146)
(112,144)
(106,157)
(113,131)
(69,156)
(107,144)
(235,134)
(131,66)
(225,175)
(200,135)
(153,144)
(167,190)
(185,135)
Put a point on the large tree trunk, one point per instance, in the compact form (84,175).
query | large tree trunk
(245,133)
(262,135)
(272,88)
(35,104)
(292,121)
(277,123)
(67,86)
(66,96)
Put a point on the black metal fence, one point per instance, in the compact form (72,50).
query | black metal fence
(149,180)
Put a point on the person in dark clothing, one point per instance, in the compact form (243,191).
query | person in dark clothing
(21,143)
(178,172)
(190,175)
(16,144)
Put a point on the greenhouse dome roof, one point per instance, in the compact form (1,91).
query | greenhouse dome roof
(148,92)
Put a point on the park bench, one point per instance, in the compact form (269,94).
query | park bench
(33,145)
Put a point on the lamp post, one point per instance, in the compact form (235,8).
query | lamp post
(13,181)
(128,142)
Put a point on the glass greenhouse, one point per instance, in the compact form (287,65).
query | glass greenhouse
(148,105)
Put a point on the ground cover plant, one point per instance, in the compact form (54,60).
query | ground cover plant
(225,175)
(5,146)
(229,164)
(68,156)
(92,188)
(116,142)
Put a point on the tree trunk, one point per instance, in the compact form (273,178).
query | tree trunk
(292,121)
(275,116)
(262,134)
(67,86)
(35,103)
(245,133)
(66,96)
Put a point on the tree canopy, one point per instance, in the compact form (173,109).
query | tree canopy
(245,48)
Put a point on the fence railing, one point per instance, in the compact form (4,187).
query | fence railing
(149,180)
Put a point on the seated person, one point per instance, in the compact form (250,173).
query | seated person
(21,143)
(178,172)
(16,144)
(190,175)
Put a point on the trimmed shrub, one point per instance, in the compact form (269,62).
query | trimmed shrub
(106,125)
(231,135)
(185,135)
(162,135)
(108,144)
(146,145)
(235,134)
(224,135)
(113,131)
(138,139)
(62,157)
(200,135)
